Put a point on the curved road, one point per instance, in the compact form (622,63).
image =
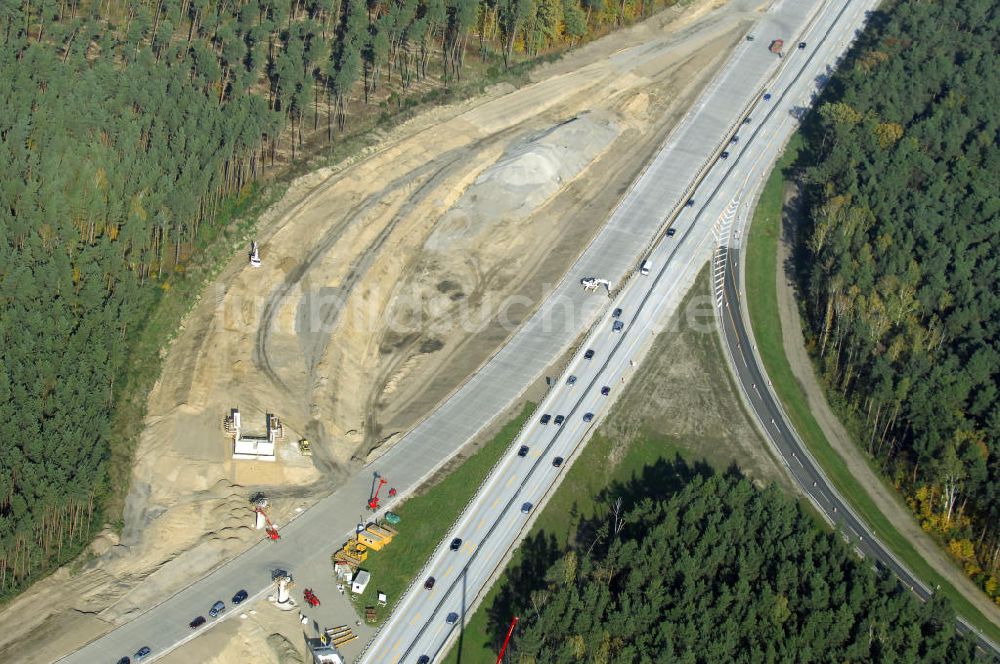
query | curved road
(426,622)
(494,522)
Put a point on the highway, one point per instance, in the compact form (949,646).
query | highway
(308,540)
(427,621)
(688,166)
(758,393)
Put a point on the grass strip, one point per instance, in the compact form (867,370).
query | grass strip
(425,518)
(762,305)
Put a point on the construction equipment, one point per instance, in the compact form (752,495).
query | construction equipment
(370,615)
(373,503)
(506,641)
(593,283)
(338,636)
(776,47)
(269,528)
(285,583)
(254,255)
(373,541)
(386,532)
(310,597)
(304,448)
(353,554)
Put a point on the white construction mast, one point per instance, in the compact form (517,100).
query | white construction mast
(254,255)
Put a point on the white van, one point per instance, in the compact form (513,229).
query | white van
(646,266)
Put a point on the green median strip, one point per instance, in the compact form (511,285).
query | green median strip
(425,519)
(762,304)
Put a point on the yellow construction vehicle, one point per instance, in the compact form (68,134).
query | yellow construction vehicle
(385,532)
(304,448)
(354,553)
(372,540)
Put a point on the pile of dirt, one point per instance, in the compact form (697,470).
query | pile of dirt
(518,183)
(284,650)
(377,296)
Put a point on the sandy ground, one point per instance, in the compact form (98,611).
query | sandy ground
(683,393)
(886,500)
(378,295)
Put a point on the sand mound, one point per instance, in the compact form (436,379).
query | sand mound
(284,650)
(379,293)
(525,177)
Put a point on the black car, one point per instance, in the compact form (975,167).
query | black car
(452,618)
(456,544)
(746,120)
(523,452)
(239,597)
(429,583)
(690,203)
(571,380)
(589,354)
(557,461)
(423,659)
(587,417)
(671,232)
(545,418)
(125,660)
(616,313)
(560,419)
(735,139)
(197,622)
(802,44)
(725,154)
(605,391)
(618,326)
(142,652)
(767,96)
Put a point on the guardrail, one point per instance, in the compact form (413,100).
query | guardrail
(657,237)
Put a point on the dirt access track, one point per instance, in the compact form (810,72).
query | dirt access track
(382,287)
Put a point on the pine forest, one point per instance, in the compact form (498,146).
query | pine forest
(900,263)
(674,578)
(125,126)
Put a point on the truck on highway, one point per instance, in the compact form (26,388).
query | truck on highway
(776,46)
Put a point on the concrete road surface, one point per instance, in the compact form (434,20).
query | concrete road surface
(428,619)
(311,537)
(688,167)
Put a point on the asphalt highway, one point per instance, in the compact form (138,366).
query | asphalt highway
(758,391)
(687,167)
(308,540)
(427,621)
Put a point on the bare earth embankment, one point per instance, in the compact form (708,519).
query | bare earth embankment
(378,295)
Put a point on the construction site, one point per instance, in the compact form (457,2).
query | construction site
(368,294)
